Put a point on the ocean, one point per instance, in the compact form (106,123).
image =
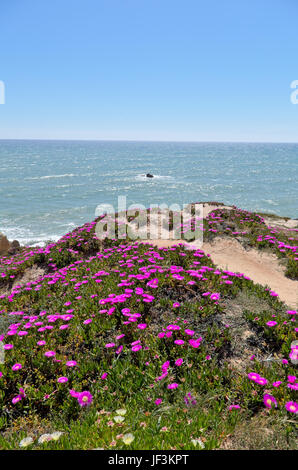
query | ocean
(47,188)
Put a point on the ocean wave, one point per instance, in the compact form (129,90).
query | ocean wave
(38,235)
(27,238)
(66,175)
(40,241)
(272,203)
(69,185)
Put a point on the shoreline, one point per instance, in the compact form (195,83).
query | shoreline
(270,219)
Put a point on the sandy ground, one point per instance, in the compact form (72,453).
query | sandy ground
(30,275)
(262,268)
(291,223)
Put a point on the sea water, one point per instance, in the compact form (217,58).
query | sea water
(47,188)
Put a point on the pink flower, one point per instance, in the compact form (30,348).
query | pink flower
(16,399)
(274,294)
(195,343)
(71,363)
(277,384)
(50,354)
(293,386)
(126,311)
(269,400)
(142,326)
(234,407)
(120,336)
(271,323)
(291,312)
(179,362)
(215,296)
(173,327)
(253,376)
(257,378)
(17,367)
(294,354)
(262,381)
(189,332)
(179,342)
(158,401)
(62,380)
(153,283)
(172,386)
(165,366)
(292,407)
(85,398)
(205,294)
(104,376)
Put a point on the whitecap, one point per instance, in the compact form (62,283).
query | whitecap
(66,175)
(272,203)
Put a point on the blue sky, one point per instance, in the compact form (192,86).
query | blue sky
(190,70)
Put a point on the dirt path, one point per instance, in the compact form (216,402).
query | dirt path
(281,223)
(30,275)
(262,268)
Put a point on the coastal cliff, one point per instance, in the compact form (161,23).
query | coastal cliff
(153,343)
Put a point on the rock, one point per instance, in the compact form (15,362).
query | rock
(15,244)
(4,244)
(14,247)
(6,247)
(148,175)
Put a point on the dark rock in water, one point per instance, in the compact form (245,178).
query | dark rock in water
(148,175)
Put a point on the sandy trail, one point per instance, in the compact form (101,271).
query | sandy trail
(229,254)
(262,268)
(281,223)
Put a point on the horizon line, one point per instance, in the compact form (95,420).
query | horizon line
(152,141)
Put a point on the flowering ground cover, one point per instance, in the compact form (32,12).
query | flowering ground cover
(120,344)
(251,230)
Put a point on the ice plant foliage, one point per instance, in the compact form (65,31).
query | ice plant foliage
(117,322)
